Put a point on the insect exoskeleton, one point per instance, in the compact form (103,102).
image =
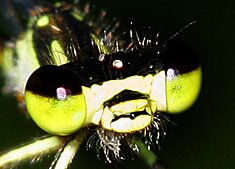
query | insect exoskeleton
(76,73)
(84,78)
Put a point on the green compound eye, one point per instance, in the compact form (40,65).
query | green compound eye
(55,101)
(183,76)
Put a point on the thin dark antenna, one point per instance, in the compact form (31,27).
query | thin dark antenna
(180,31)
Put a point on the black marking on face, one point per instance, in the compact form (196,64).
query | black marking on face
(123,96)
(132,115)
(139,62)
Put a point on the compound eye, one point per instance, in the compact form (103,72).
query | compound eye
(183,76)
(54,99)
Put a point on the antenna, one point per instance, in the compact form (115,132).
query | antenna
(180,31)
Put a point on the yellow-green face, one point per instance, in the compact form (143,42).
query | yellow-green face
(74,79)
(122,105)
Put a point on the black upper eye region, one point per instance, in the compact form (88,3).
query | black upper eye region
(179,57)
(53,81)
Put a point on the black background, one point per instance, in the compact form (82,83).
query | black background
(204,135)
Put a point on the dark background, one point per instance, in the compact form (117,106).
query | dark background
(204,135)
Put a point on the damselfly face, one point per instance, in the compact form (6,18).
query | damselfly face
(82,79)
